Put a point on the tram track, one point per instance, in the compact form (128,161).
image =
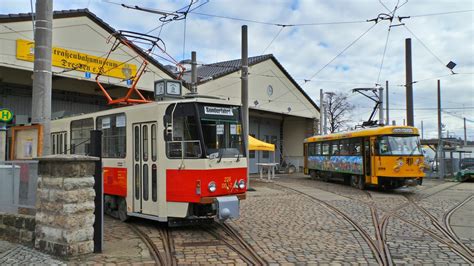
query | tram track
(247,253)
(382,251)
(375,247)
(453,241)
(164,257)
(447,218)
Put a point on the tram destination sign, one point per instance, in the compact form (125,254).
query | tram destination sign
(403,130)
(213,110)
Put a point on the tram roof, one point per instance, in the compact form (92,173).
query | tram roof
(151,104)
(386,130)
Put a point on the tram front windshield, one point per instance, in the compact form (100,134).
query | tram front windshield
(221,130)
(399,145)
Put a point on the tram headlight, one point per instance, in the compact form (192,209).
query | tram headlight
(212,186)
(241,184)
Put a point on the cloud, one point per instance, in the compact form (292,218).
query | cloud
(304,50)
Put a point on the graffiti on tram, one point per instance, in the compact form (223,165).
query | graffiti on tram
(342,164)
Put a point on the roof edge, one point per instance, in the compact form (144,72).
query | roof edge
(71,13)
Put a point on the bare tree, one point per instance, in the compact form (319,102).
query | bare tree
(337,108)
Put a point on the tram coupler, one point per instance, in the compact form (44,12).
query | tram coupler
(411,182)
(227,207)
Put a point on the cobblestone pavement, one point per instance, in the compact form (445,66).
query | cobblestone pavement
(18,254)
(285,227)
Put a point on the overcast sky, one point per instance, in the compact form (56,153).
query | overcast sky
(306,50)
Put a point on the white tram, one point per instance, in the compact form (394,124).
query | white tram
(165,160)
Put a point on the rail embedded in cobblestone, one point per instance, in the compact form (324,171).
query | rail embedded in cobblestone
(451,239)
(447,225)
(375,248)
(160,258)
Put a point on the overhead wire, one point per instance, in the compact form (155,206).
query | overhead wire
(392,13)
(274,38)
(424,45)
(441,13)
(345,49)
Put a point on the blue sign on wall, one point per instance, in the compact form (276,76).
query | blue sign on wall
(87,75)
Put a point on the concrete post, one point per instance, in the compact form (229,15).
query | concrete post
(244,92)
(42,76)
(409,83)
(3,142)
(321,112)
(65,205)
(386,103)
(381,119)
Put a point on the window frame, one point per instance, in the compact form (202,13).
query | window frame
(124,135)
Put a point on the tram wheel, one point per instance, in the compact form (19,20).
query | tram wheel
(358,181)
(312,173)
(122,209)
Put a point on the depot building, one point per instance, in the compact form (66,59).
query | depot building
(280,111)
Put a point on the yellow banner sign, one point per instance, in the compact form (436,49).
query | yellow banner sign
(69,59)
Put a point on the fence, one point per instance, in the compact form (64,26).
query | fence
(18,185)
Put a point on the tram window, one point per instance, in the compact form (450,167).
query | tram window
(153,142)
(399,145)
(311,149)
(325,148)
(137,143)
(80,135)
(335,147)
(145,143)
(154,195)
(113,135)
(145,181)
(185,139)
(355,147)
(317,148)
(344,147)
(137,181)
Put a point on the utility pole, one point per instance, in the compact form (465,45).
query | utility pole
(42,76)
(193,73)
(245,96)
(321,112)
(409,82)
(381,120)
(440,137)
(386,104)
(422,133)
(465,132)
(325,119)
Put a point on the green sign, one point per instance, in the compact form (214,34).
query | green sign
(5,115)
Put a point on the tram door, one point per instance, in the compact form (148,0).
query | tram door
(145,168)
(367,158)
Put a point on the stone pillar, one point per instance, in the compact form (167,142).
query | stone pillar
(65,205)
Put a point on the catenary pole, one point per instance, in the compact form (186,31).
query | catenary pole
(422,132)
(321,112)
(440,136)
(193,72)
(386,102)
(245,96)
(465,133)
(409,83)
(381,119)
(42,76)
